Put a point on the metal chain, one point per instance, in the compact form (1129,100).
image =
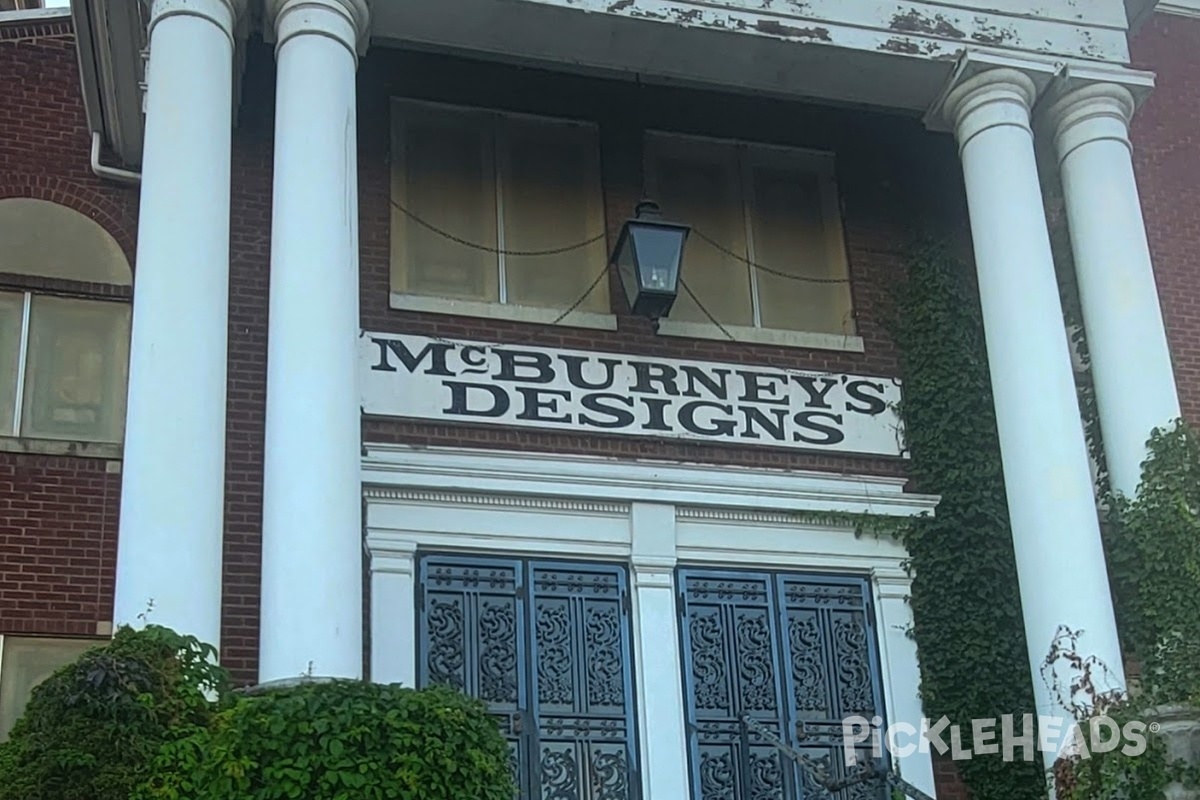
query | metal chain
(587,242)
(553,251)
(739,342)
(582,297)
(722,248)
(868,771)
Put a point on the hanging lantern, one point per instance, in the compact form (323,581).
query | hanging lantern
(648,255)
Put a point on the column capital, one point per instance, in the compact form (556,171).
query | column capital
(989,82)
(222,13)
(992,98)
(345,21)
(1090,113)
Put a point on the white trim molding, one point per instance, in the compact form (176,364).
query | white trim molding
(651,515)
(1181,8)
(509,473)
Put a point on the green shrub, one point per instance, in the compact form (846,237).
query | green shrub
(340,740)
(92,730)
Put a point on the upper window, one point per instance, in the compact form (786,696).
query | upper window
(472,189)
(64,325)
(759,205)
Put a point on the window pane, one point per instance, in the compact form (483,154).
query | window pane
(26,663)
(11,309)
(53,241)
(76,371)
(444,174)
(551,191)
(703,191)
(792,234)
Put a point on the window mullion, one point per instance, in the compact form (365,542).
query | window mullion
(745,177)
(22,359)
(499,165)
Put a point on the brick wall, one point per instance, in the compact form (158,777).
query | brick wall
(1166,140)
(58,514)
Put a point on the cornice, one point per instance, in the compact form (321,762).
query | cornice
(435,497)
(509,474)
(791,519)
(1180,8)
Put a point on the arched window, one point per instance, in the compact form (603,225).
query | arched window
(65,288)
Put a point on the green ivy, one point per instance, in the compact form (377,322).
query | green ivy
(1153,548)
(1154,560)
(966,606)
(91,730)
(336,741)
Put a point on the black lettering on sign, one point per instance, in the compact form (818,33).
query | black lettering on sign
(534,367)
(816,394)
(657,407)
(575,371)
(539,400)
(874,403)
(716,426)
(648,373)
(773,425)
(620,417)
(824,434)
(474,360)
(435,351)
(763,387)
(460,396)
(715,381)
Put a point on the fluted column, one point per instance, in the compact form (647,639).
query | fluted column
(173,472)
(1130,360)
(1056,534)
(312,497)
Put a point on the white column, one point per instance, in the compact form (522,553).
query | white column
(393,610)
(173,482)
(661,715)
(312,498)
(1056,534)
(1131,364)
(902,673)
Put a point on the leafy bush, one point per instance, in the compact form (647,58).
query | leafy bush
(1154,558)
(339,740)
(92,730)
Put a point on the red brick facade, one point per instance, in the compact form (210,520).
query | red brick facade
(58,514)
(1166,147)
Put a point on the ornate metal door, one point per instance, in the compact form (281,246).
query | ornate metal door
(547,646)
(796,653)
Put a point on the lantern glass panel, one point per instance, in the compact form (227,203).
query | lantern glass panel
(658,256)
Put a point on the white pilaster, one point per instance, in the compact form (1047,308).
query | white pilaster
(898,651)
(1056,535)
(661,714)
(312,496)
(393,610)
(1130,360)
(173,476)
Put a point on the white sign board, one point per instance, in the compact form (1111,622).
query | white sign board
(573,390)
